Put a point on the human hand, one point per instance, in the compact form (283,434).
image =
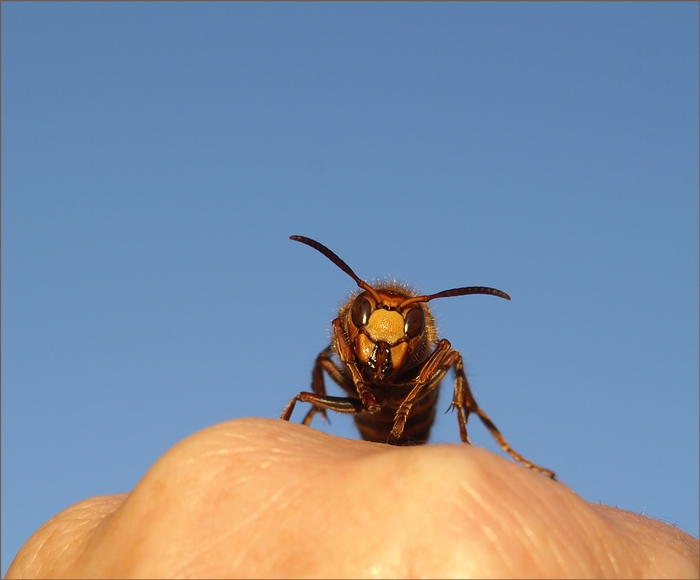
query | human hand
(266,498)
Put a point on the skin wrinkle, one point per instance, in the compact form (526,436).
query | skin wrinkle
(539,546)
(656,532)
(683,540)
(486,507)
(261,509)
(252,448)
(602,527)
(280,500)
(209,475)
(561,554)
(507,560)
(582,558)
(224,452)
(398,557)
(42,548)
(73,518)
(226,536)
(529,538)
(571,534)
(257,513)
(601,551)
(527,496)
(80,524)
(435,487)
(616,527)
(571,537)
(297,492)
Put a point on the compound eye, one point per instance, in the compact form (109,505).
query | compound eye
(414,322)
(360,311)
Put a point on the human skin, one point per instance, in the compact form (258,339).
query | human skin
(266,498)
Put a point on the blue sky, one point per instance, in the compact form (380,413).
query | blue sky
(156,157)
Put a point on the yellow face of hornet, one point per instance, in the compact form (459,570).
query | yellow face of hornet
(388,332)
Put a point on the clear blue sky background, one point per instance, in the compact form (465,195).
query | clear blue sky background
(156,157)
